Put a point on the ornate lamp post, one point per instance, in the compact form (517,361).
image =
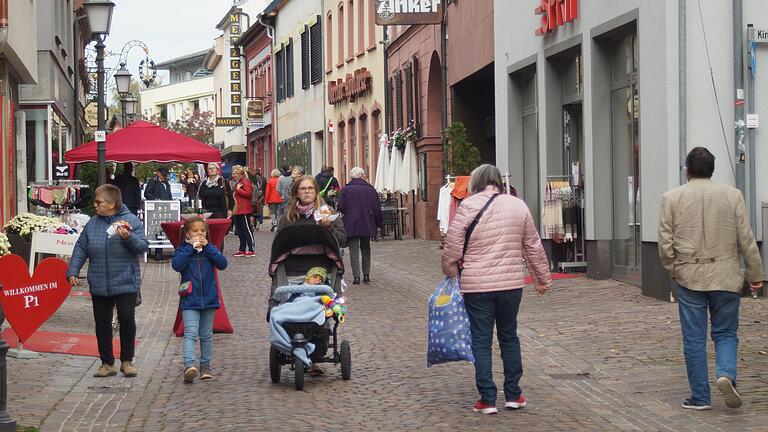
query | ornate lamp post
(123,84)
(100,20)
(130,104)
(7,424)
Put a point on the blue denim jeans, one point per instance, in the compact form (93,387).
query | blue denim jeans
(485,309)
(198,323)
(723,307)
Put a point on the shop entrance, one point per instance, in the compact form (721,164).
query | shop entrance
(625,118)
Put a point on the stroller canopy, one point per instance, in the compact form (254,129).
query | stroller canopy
(305,239)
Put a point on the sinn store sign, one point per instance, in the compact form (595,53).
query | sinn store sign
(235,93)
(350,88)
(402,12)
(555,13)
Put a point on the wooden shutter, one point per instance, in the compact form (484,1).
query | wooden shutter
(289,75)
(280,73)
(388,106)
(399,99)
(408,95)
(416,96)
(305,59)
(316,50)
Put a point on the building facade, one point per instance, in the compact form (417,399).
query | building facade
(355,86)
(190,89)
(299,89)
(415,57)
(608,97)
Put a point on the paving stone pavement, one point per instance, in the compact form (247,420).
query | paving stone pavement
(597,356)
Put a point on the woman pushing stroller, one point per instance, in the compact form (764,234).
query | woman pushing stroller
(305,200)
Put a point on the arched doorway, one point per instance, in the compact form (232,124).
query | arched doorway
(433,124)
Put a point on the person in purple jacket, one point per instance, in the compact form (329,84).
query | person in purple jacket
(359,203)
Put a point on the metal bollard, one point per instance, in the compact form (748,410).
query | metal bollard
(7,424)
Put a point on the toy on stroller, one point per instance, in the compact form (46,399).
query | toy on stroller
(300,331)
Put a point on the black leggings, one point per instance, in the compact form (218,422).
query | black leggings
(126,316)
(243,231)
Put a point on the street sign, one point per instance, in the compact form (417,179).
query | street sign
(761,35)
(101,136)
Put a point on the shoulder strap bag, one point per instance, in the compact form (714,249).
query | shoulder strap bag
(472,226)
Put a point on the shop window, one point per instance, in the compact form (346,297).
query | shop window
(352,142)
(365,147)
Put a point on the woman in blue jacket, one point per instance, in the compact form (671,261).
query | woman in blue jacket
(111,242)
(196,259)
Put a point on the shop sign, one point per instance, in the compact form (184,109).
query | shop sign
(405,12)
(61,172)
(228,121)
(255,113)
(28,301)
(761,35)
(556,13)
(350,88)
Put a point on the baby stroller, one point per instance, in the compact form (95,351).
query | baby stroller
(295,250)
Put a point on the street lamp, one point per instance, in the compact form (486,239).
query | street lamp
(100,20)
(123,84)
(130,105)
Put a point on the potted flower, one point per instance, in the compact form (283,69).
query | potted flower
(5,245)
(19,231)
(400,137)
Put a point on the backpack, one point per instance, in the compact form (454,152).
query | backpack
(325,189)
(258,191)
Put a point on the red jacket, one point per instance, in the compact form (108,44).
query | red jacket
(243,191)
(271,196)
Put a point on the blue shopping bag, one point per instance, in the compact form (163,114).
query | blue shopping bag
(449,337)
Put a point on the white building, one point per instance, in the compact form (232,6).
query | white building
(190,89)
(615,97)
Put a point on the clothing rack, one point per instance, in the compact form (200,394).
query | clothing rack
(577,257)
(69,204)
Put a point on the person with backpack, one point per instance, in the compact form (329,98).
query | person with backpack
(273,199)
(215,194)
(329,185)
(257,199)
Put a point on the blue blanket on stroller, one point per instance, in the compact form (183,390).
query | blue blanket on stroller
(305,308)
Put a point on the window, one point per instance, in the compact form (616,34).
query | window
(305,58)
(341,36)
(329,43)
(371,28)
(280,74)
(361,27)
(351,30)
(316,52)
(399,99)
(289,75)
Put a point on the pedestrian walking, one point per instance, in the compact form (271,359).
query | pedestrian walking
(273,198)
(243,191)
(359,203)
(257,199)
(301,209)
(158,187)
(703,227)
(192,185)
(196,258)
(329,185)
(487,242)
(111,242)
(215,194)
(130,190)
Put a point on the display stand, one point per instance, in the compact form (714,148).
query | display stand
(155,214)
(57,244)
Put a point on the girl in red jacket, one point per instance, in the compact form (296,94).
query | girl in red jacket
(272,197)
(243,191)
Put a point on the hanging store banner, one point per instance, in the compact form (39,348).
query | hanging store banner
(235,94)
(406,12)
(255,113)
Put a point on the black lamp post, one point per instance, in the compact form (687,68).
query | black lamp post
(7,424)
(130,105)
(100,20)
(123,84)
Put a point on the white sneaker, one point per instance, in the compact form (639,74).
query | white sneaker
(732,397)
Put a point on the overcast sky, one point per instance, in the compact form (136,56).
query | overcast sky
(169,28)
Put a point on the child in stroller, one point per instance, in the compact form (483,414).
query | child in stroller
(300,332)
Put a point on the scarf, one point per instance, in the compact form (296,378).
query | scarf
(306,210)
(212,181)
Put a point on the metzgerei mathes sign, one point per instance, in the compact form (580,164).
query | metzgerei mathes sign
(405,12)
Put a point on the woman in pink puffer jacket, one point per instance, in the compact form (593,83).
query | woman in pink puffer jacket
(492,277)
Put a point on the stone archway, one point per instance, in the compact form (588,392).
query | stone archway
(433,124)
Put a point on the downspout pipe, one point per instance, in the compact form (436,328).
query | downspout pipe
(444,84)
(752,203)
(271,35)
(682,89)
(738,92)
(76,132)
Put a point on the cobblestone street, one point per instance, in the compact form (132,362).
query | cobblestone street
(597,356)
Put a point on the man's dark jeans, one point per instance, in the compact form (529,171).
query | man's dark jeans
(126,316)
(485,310)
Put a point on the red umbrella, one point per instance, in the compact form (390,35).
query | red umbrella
(146,142)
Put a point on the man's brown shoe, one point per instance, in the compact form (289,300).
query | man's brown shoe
(128,370)
(105,371)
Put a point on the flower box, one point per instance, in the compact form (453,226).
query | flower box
(19,245)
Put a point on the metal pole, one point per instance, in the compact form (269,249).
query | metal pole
(738,84)
(443,86)
(683,88)
(101,148)
(751,131)
(7,424)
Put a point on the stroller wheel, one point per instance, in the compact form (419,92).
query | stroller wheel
(298,367)
(345,357)
(274,364)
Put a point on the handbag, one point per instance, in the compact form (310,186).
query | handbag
(449,336)
(185,289)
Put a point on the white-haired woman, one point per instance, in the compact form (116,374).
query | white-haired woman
(215,194)
(272,198)
(360,205)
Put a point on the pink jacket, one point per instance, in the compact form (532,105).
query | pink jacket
(503,237)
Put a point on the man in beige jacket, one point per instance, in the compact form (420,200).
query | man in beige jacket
(703,227)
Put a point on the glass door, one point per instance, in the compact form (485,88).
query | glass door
(625,118)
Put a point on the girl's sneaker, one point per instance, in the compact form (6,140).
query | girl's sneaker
(190,374)
(484,408)
(205,373)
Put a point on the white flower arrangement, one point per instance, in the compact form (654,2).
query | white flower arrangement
(5,245)
(25,224)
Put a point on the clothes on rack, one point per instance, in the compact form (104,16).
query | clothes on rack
(53,194)
(444,206)
(561,211)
